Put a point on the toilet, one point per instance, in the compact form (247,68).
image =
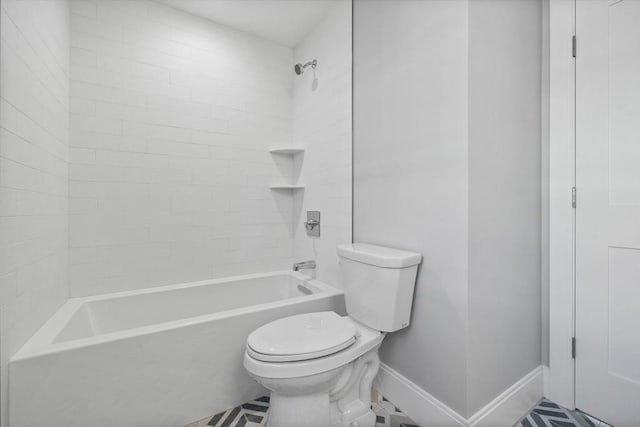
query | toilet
(319,367)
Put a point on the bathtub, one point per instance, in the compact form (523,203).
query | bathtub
(160,357)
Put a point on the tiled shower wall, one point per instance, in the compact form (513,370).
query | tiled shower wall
(33,169)
(322,124)
(172,117)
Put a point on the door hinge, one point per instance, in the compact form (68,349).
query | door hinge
(573,46)
(573,347)
(573,197)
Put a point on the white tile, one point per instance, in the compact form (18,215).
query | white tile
(159,115)
(95,27)
(83,8)
(326,169)
(34,151)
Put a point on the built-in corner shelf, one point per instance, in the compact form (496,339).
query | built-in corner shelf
(290,152)
(287,151)
(286,187)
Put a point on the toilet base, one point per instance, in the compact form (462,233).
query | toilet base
(338,398)
(312,410)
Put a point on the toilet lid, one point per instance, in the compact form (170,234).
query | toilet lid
(302,337)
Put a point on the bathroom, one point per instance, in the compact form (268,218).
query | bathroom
(317,213)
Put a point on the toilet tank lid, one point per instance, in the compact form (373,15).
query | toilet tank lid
(379,256)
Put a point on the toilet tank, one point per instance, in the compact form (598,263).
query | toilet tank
(378,284)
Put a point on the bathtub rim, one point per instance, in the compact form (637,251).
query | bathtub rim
(41,343)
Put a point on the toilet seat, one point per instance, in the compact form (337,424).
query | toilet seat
(302,337)
(366,339)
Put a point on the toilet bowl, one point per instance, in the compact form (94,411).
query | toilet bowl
(319,367)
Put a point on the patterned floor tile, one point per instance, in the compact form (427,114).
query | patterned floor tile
(253,414)
(250,414)
(591,421)
(387,414)
(549,414)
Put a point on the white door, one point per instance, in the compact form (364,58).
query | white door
(608,210)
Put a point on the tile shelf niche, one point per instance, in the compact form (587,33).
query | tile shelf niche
(286,151)
(286,186)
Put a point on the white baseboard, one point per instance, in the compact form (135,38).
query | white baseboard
(419,405)
(513,403)
(504,411)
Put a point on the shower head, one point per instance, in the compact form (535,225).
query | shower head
(299,68)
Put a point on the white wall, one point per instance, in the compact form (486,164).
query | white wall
(410,173)
(504,195)
(172,117)
(34,105)
(322,125)
(447,163)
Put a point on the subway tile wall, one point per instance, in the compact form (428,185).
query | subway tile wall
(322,124)
(34,134)
(172,117)
(134,152)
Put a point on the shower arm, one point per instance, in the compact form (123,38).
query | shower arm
(299,68)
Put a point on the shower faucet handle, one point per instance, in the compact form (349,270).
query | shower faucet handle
(311,224)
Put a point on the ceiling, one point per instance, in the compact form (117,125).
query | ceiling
(283,21)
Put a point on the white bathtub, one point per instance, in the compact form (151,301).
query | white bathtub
(158,357)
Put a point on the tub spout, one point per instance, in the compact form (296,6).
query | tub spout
(304,265)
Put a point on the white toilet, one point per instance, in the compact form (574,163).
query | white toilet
(319,367)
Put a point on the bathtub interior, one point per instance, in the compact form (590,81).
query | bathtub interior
(108,315)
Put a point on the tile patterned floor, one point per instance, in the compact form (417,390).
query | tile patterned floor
(549,414)
(592,422)
(387,414)
(253,414)
(250,414)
